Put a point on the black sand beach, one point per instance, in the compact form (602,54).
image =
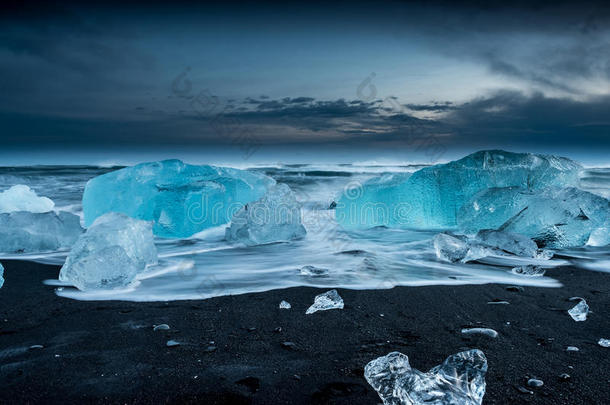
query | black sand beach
(107,352)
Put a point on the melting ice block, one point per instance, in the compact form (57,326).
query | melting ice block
(555,217)
(431,197)
(323,302)
(111,253)
(454,248)
(580,311)
(27,232)
(460,379)
(22,198)
(276,217)
(180,199)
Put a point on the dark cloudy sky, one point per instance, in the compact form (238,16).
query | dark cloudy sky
(253,82)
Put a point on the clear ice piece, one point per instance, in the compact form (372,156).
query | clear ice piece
(459,248)
(27,232)
(572,349)
(480,331)
(323,302)
(604,342)
(180,199)
(313,271)
(555,217)
(276,217)
(580,311)
(508,242)
(529,270)
(460,379)
(285,305)
(162,326)
(431,197)
(600,236)
(111,253)
(21,198)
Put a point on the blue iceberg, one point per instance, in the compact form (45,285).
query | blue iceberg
(555,217)
(180,199)
(34,232)
(431,197)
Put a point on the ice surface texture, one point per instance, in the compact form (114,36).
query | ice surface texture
(431,197)
(22,198)
(323,302)
(111,253)
(454,248)
(27,232)
(276,217)
(580,311)
(181,199)
(553,217)
(460,379)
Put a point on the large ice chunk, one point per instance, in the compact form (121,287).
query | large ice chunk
(27,232)
(181,199)
(22,198)
(431,197)
(276,217)
(508,242)
(111,253)
(460,379)
(555,217)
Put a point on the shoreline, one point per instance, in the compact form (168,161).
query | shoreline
(231,350)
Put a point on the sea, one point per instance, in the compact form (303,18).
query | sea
(206,265)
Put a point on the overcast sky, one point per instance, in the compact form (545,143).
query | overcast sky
(255,82)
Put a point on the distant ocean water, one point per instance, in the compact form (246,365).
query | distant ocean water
(205,265)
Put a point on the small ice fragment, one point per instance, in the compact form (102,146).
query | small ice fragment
(111,253)
(529,270)
(533,382)
(285,305)
(524,390)
(172,343)
(275,217)
(604,342)
(580,311)
(162,326)
(313,271)
(572,349)
(326,301)
(35,347)
(21,198)
(498,303)
(482,331)
(564,376)
(544,254)
(460,379)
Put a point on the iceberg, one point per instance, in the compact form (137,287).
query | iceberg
(21,198)
(580,311)
(323,302)
(431,197)
(460,379)
(276,217)
(180,199)
(555,217)
(27,232)
(110,253)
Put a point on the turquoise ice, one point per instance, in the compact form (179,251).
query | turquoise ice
(180,199)
(1,275)
(555,217)
(431,197)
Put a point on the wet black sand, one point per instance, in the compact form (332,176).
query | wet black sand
(108,352)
